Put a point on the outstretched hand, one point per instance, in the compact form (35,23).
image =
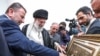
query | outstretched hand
(62,54)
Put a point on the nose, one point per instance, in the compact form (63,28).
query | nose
(80,21)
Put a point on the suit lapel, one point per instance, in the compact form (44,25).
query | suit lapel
(91,25)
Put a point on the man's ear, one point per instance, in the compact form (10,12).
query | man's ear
(11,11)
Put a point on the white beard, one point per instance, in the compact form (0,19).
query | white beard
(39,29)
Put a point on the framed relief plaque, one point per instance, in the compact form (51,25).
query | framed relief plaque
(86,45)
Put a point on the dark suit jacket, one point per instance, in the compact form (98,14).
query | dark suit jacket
(94,27)
(4,50)
(18,43)
(46,38)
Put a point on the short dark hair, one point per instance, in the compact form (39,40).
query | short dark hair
(41,13)
(15,6)
(63,23)
(85,10)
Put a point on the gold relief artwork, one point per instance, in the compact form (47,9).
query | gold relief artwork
(86,45)
(98,54)
(77,50)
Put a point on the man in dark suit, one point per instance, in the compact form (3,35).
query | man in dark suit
(19,44)
(95,26)
(85,16)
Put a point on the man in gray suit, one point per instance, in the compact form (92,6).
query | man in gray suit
(55,37)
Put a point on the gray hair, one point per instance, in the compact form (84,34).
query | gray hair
(15,6)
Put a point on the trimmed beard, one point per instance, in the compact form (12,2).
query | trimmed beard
(87,23)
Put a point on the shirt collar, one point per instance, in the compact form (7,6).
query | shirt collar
(7,16)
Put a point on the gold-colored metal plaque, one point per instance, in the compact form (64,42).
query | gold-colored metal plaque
(86,45)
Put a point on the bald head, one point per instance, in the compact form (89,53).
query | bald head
(96,7)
